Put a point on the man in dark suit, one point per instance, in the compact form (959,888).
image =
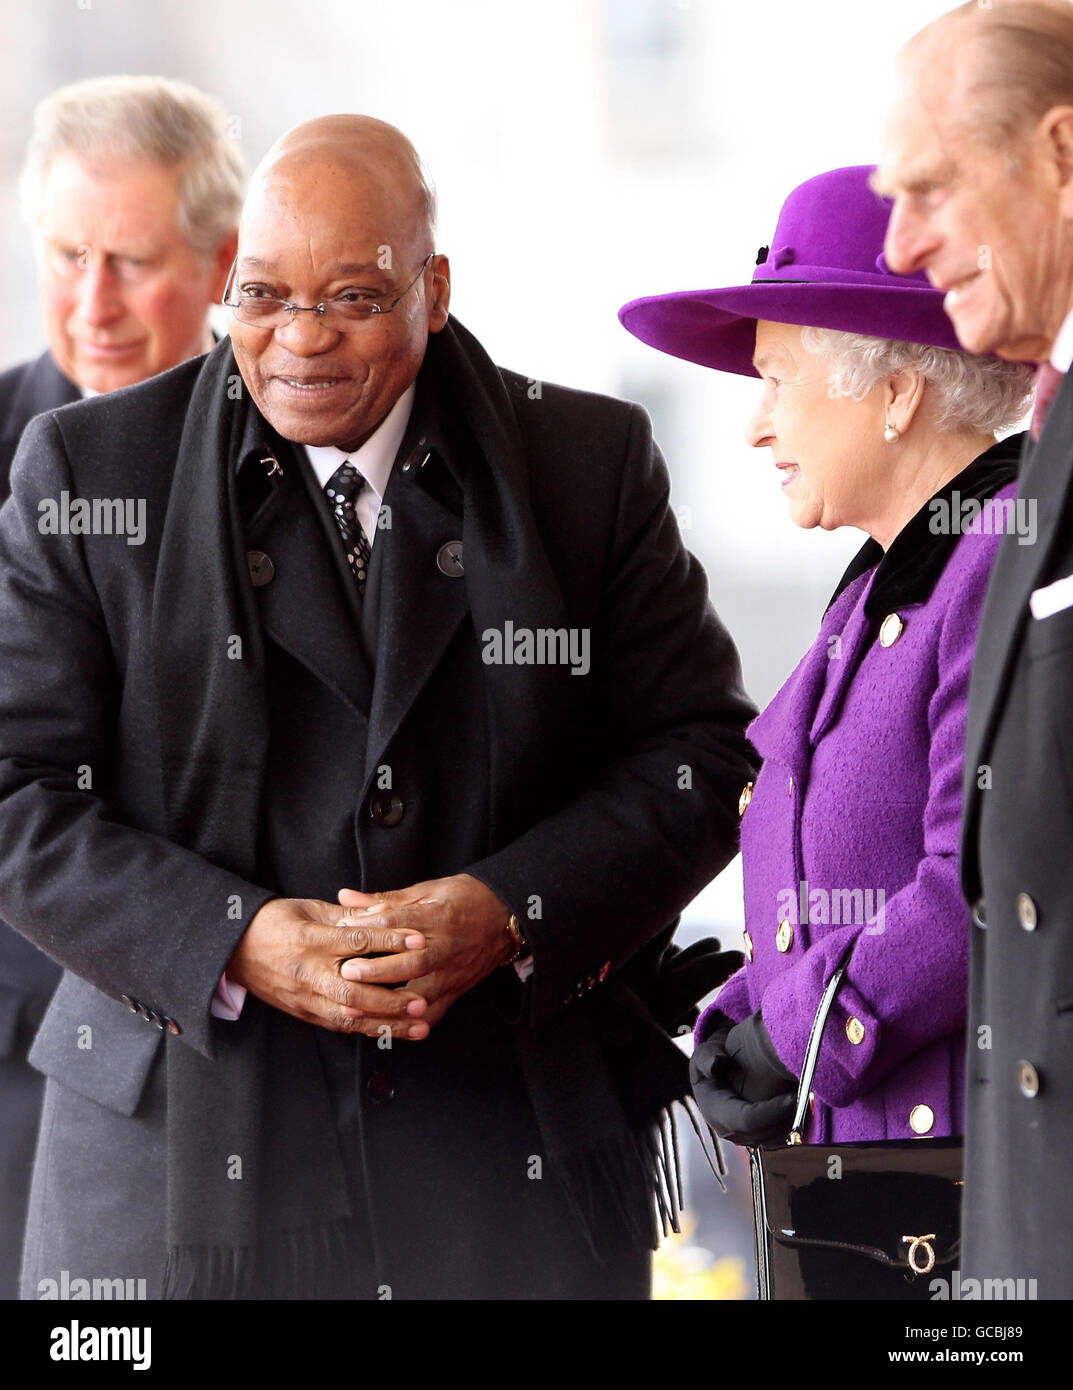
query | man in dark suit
(981,169)
(359,794)
(132,187)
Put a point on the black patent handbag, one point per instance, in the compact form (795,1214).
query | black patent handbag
(853,1221)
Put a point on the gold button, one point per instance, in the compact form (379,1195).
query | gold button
(748,945)
(890,630)
(854,1030)
(784,937)
(745,798)
(1027,913)
(921,1119)
(790,786)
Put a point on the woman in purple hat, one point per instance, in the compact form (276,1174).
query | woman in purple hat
(875,419)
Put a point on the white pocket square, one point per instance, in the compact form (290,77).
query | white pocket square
(1052,598)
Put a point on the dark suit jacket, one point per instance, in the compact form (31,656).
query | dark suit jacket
(27,977)
(622,838)
(1017,872)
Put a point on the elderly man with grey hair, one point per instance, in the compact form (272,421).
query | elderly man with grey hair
(132,186)
(979,160)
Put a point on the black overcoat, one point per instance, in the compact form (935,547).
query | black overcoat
(631,813)
(1017,870)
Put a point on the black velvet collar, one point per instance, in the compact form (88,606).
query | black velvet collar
(910,569)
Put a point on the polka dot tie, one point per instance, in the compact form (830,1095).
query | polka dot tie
(342,490)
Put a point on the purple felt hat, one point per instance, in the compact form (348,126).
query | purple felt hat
(825,267)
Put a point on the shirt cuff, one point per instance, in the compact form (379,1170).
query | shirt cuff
(228,1000)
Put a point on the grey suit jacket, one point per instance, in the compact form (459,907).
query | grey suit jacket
(27,975)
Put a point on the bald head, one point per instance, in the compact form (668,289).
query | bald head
(340,216)
(330,150)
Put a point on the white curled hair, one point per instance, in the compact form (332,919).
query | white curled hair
(986,394)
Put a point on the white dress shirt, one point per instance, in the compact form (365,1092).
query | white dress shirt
(374,461)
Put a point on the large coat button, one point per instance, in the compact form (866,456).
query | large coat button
(921,1119)
(380,1088)
(262,570)
(854,1030)
(784,937)
(745,798)
(1027,1080)
(748,944)
(1027,914)
(386,808)
(449,560)
(890,630)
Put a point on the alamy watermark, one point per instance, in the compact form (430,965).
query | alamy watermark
(837,907)
(994,516)
(970,1290)
(67,1288)
(100,516)
(542,646)
(77,1343)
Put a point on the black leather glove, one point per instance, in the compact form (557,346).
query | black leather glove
(742,1088)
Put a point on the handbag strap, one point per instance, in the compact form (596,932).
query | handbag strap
(815,1038)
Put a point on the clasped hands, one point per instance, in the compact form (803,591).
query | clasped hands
(335,966)
(740,1084)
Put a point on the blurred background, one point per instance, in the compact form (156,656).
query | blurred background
(585,152)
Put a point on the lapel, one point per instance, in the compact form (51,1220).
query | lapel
(420,604)
(310,605)
(1018,569)
(854,641)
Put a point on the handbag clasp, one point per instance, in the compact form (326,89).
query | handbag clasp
(918,1244)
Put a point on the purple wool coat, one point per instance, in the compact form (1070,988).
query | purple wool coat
(852,832)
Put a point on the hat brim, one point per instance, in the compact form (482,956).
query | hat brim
(717,328)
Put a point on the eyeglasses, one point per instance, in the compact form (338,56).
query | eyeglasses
(345,313)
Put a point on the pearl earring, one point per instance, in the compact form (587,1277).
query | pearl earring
(891,435)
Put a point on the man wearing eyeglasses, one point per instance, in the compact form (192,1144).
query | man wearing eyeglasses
(359,801)
(132,187)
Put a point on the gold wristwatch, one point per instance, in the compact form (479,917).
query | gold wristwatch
(521,947)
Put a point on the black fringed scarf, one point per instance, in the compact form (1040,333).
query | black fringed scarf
(257,1196)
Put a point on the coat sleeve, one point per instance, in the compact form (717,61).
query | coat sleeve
(907,981)
(613,866)
(732,1000)
(126,910)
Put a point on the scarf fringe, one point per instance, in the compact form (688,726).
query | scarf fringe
(710,1143)
(643,1176)
(314,1262)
